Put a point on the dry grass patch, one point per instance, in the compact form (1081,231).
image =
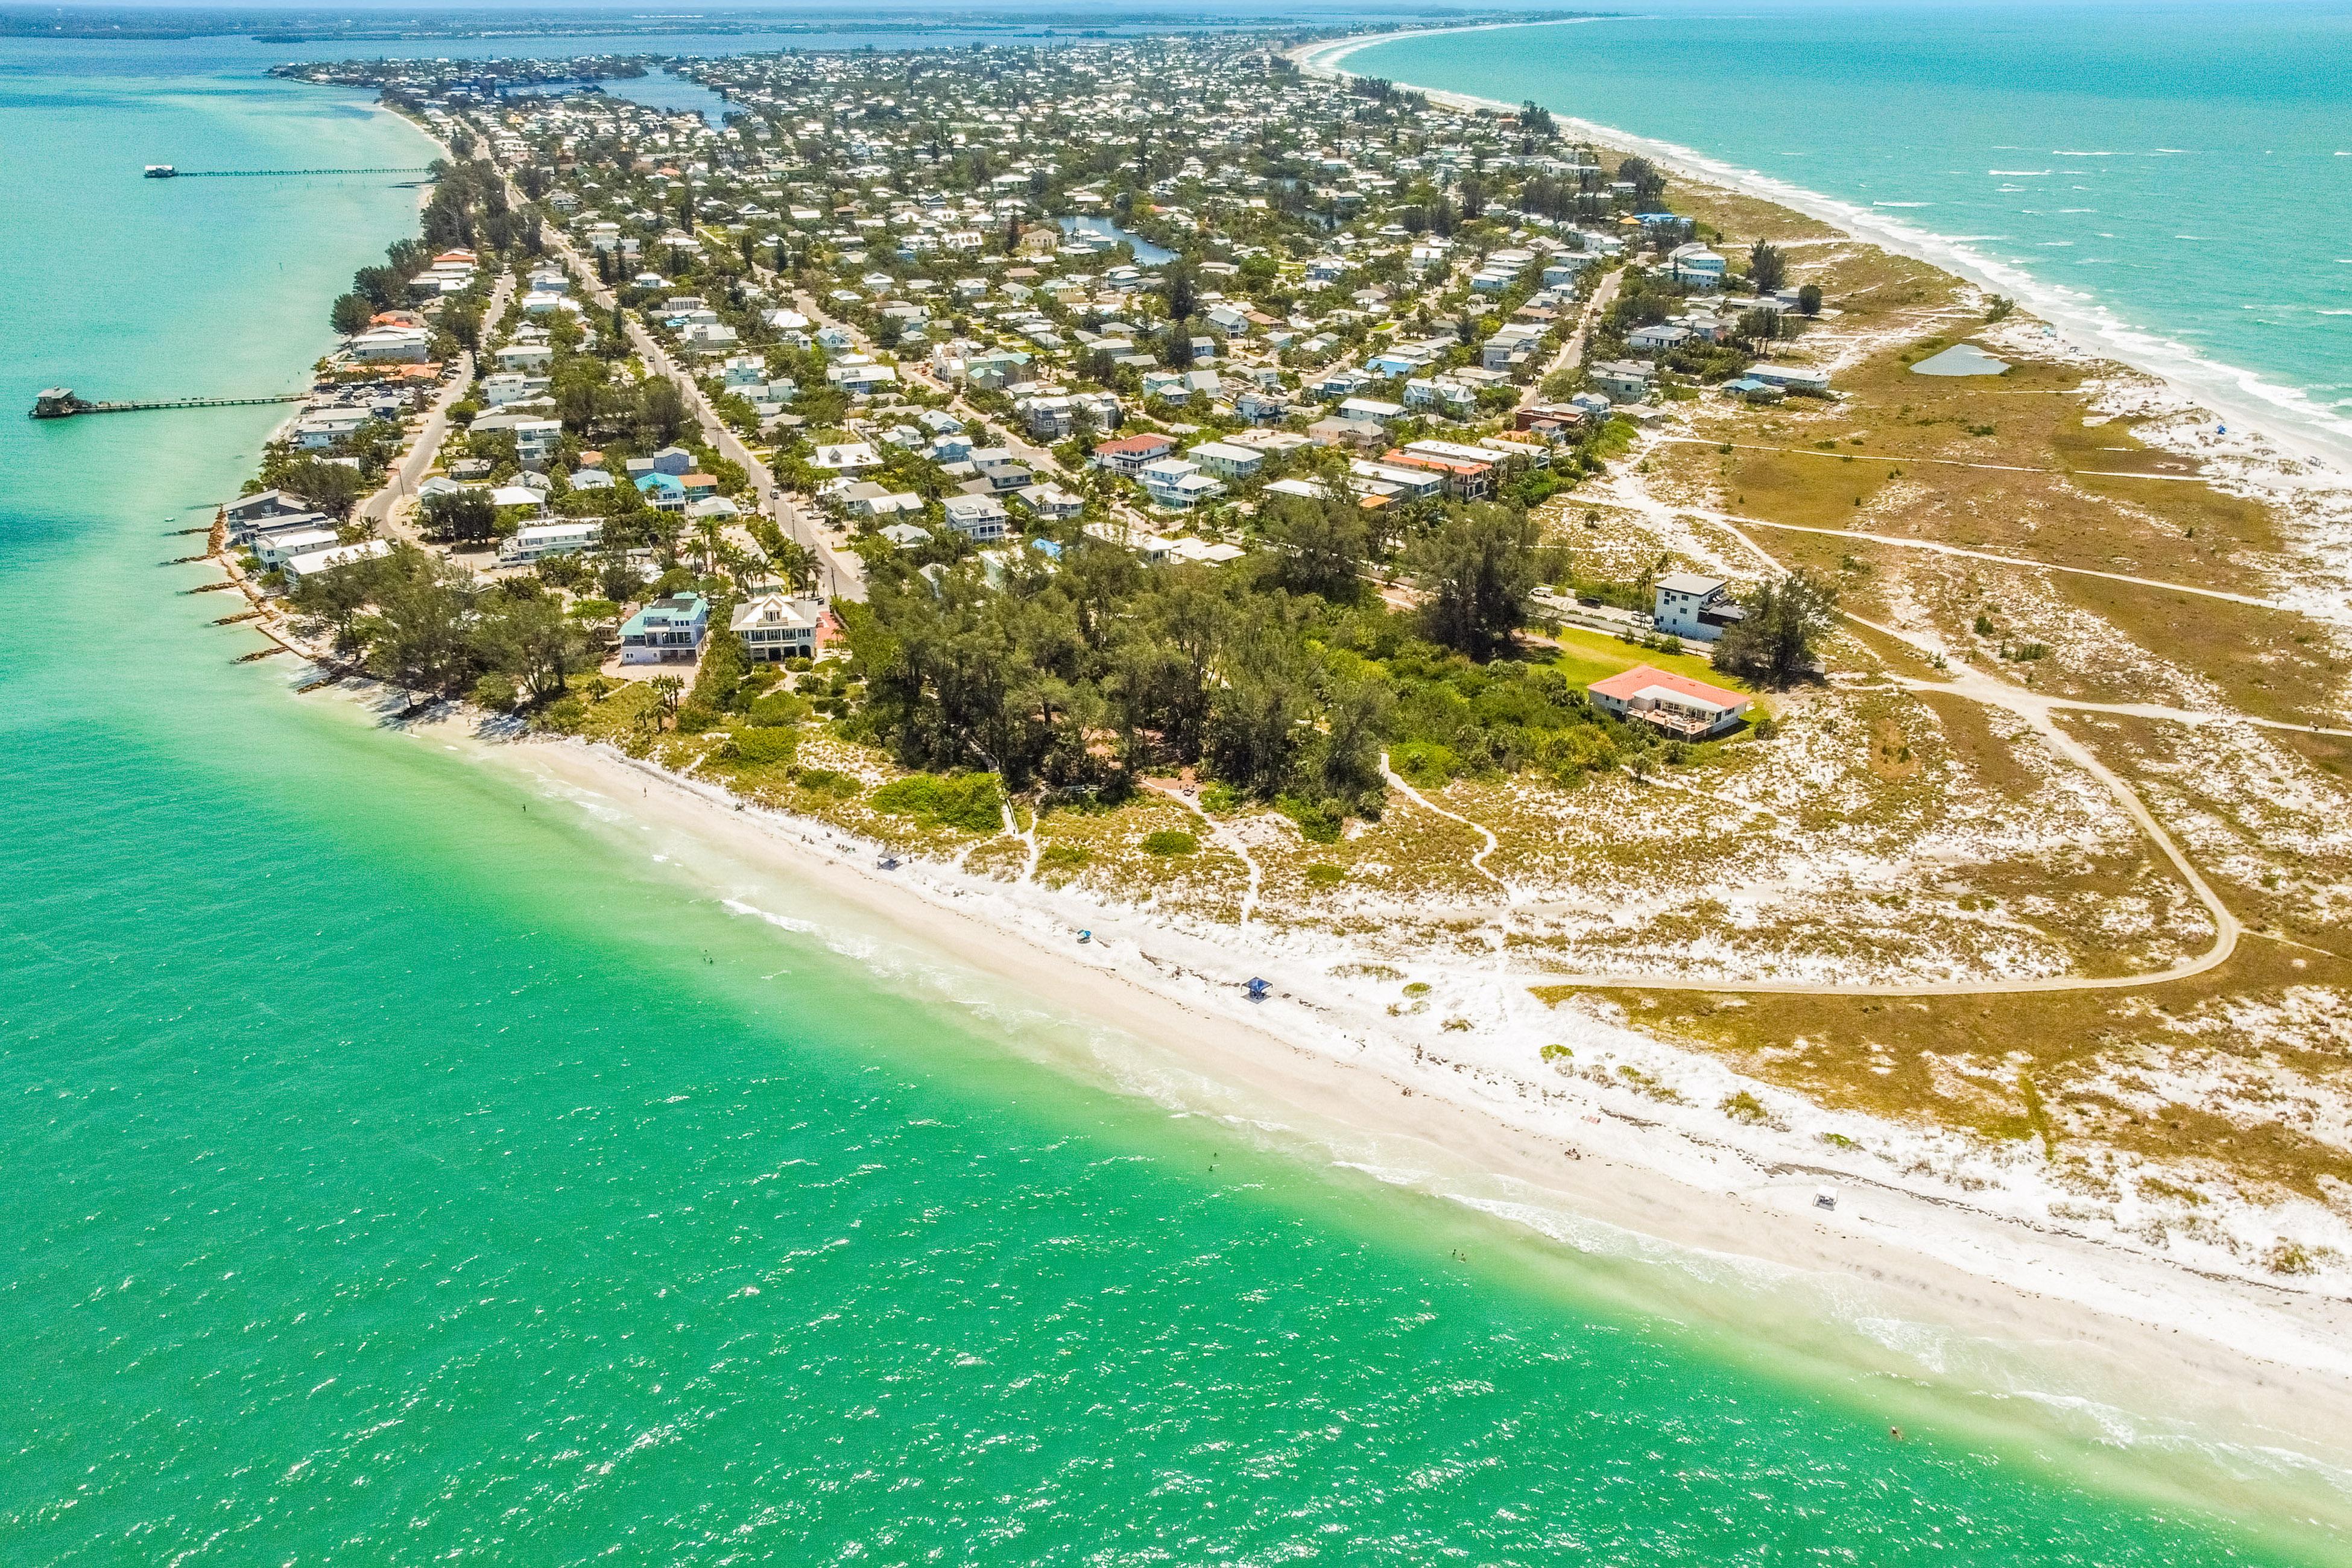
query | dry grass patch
(2240,1068)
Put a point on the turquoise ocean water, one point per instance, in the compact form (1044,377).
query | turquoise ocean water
(405,1168)
(2169,183)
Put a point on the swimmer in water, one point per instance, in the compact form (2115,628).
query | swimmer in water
(1896,1432)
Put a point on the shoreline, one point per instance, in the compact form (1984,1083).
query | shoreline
(2252,1355)
(2281,417)
(1894,1283)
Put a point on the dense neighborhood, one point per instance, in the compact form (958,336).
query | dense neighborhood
(1069,415)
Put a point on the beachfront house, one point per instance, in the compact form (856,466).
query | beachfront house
(775,627)
(312,562)
(667,631)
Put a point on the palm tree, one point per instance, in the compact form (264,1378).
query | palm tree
(741,565)
(708,535)
(796,564)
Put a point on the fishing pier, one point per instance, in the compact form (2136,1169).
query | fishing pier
(63,403)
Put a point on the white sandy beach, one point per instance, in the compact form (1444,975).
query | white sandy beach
(1911,1284)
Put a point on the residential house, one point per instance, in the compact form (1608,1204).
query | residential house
(775,627)
(273,547)
(1052,503)
(323,428)
(1696,265)
(1620,381)
(1373,409)
(538,541)
(847,457)
(979,517)
(1225,460)
(299,567)
(1175,482)
(1686,709)
(667,631)
(1127,454)
(1791,378)
(1686,604)
(1467,479)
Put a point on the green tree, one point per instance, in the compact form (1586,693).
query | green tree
(351,314)
(531,640)
(1808,300)
(417,631)
(332,487)
(1478,573)
(459,517)
(661,415)
(1773,642)
(1766,268)
(1322,545)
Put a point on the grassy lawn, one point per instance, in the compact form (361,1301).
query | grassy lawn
(1586,656)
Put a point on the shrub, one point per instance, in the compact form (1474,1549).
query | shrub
(1323,873)
(1319,821)
(564,716)
(1744,1107)
(972,801)
(1171,841)
(1556,1053)
(1424,764)
(767,745)
(779,707)
(825,781)
(1064,856)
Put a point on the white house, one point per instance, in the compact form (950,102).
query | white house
(1052,502)
(536,440)
(1175,482)
(275,547)
(1696,265)
(775,627)
(847,457)
(300,566)
(539,541)
(1791,378)
(1686,604)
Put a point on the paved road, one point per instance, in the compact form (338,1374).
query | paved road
(404,474)
(1571,352)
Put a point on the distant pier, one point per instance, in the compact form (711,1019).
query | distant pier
(166,172)
(63,403)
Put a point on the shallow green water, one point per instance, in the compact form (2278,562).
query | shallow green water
(399,1173)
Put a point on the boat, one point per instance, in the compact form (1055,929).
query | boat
(162,172)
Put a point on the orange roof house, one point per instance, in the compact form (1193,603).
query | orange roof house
(1689,710)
